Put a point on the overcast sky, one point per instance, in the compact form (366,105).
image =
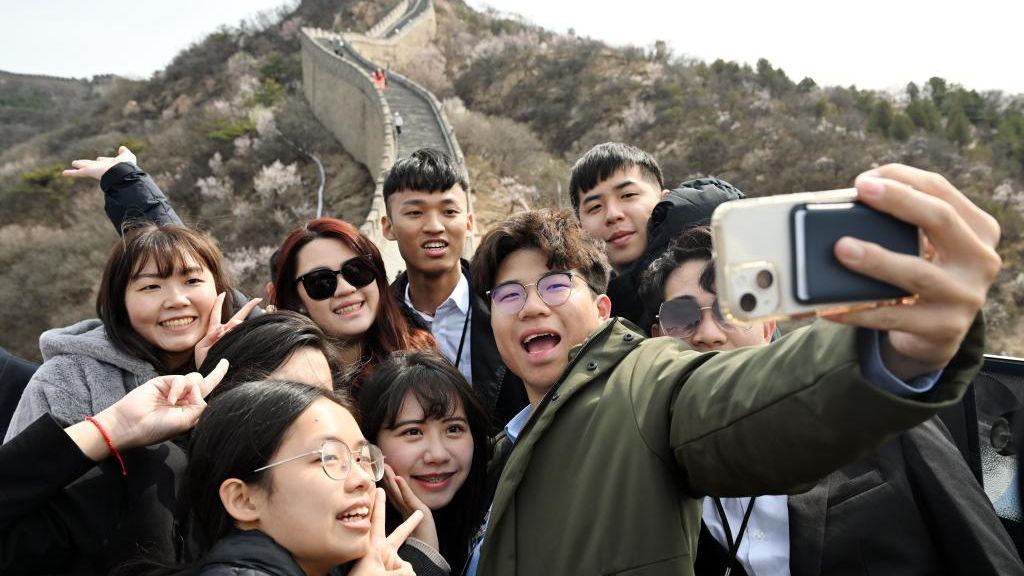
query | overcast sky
(870,43)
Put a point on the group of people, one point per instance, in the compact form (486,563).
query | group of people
(569,401)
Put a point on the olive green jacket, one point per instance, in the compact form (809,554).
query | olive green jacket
(607,476)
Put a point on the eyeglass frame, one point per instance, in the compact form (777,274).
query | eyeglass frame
(526,291)
(323,465)
(716,316)
(364,258)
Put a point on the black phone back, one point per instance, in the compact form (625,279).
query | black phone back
(825,278)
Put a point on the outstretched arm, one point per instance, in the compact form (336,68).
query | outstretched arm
(129,193)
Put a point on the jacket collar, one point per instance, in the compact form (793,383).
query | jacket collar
(252,549)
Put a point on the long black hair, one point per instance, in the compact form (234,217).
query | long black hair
(439,388)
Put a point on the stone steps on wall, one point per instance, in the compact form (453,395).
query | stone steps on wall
(421,128)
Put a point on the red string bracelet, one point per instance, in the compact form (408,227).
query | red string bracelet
(124,469)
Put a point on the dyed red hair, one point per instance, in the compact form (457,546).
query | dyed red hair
(390,331)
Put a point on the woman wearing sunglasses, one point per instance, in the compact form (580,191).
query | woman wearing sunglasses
(329,271)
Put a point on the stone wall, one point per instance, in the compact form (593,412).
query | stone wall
(345,100)
(400,48)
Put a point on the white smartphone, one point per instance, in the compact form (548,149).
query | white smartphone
(774,255)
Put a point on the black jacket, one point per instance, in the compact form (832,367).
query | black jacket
(14,376)
(911,507)
(502,392)
(62,513)
(689,205)
(249,553)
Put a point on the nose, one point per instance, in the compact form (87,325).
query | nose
(435,451)
(343,288)
(433,223)
(613,213)
(709,335)
(177,297)
(534,306)
(358,479)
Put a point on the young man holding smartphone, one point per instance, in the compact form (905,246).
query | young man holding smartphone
(428,215)
(619,195)
(910,507)
(604,470)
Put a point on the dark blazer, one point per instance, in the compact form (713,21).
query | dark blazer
(502,392)
(911,507)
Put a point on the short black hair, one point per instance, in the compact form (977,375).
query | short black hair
(425,170)
(693,244)
(606,159)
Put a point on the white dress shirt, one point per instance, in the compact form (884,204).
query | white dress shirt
(764,549)
(447,325)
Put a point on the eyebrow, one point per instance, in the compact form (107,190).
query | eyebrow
(182,272)
(422,201)
(358,445)
(594,196)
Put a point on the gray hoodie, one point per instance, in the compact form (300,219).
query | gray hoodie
(82,374)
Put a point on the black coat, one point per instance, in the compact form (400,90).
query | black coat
(689,205)
(249,553)
(911,507)
(501,391)
(14,376)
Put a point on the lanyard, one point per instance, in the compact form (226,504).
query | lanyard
(462,340)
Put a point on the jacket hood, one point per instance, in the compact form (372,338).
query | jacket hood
(689,205)
(89,338)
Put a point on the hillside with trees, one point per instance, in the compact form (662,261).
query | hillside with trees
(226,133)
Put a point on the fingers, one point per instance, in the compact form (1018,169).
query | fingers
(410,498)
(206,385)
(215,312)
(397,538)
(935,184)
(244,312)
(911,273)
(377,517)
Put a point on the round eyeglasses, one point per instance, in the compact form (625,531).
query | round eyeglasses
(681,317)
(337,460)
(554,288)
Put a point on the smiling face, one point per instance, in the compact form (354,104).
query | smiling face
(535,342)
(433,455)
(171,313)
(350,311)
(322,522)
(617,211)
(430,228)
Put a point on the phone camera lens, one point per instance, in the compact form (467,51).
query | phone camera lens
(748,301)
(764,279)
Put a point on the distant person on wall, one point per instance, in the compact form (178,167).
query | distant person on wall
(398,123)
(379,79)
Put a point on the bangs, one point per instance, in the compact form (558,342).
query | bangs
(170,253)
(438,400)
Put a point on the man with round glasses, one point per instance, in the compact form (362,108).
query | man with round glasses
(603,472)
(912,506)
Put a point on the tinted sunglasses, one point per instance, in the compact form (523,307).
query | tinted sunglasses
(681,317)
(320,284)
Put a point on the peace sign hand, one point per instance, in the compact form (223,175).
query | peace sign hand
(215,330)
(382,556)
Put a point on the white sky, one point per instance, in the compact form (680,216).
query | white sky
(870,43)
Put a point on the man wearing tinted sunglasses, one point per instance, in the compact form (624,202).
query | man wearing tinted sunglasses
(945,522)
(426,196)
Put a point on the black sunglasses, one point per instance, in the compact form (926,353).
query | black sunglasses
(681,317)
(320,284)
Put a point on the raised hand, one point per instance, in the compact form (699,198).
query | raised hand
(155,411)
(215,330)
(951,282)
(382,556)
(405,501)
(96,168)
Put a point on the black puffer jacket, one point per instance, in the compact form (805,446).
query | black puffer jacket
(689,205)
